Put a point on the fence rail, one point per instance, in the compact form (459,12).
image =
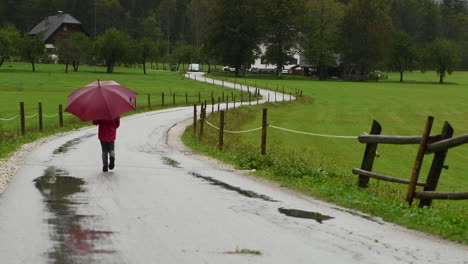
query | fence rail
(437,144)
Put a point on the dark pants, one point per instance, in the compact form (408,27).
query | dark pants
(107,150)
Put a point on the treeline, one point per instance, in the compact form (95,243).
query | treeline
(359,36)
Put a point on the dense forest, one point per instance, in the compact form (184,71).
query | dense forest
(367,35)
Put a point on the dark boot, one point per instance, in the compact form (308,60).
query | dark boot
(104,168)
(111,163)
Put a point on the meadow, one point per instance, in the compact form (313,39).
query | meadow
(51,86)
(347,108)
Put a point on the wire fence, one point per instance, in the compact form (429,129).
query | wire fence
(281,128)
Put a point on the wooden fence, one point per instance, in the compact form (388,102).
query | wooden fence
(437,144)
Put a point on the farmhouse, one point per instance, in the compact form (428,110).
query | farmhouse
(54,28)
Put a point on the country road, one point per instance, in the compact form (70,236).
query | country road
(164,204)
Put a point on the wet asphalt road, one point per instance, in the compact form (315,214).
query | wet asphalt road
(160,205)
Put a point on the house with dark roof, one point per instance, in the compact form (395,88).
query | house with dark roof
(54,28)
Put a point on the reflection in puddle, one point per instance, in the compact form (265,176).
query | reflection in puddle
(62,197)
(226,186)
(171,162)
(68,145)
(304,214)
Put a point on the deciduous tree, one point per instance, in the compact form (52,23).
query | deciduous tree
(367,36)
(32,48)
(323,19)
(404,53)
(112,47)
(441,55)
(9,39)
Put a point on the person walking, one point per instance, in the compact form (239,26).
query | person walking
(107,134)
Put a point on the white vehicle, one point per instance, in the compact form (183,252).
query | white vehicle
(194,67)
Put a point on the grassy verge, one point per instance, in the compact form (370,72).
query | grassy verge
(321,167)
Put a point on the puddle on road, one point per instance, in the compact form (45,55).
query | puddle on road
(63,195)
(171,162)
(304,214)
(69,144)
(226,186)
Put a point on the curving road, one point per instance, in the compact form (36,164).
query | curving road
(163,205)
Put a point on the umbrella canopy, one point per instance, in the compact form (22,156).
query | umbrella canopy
(98,100)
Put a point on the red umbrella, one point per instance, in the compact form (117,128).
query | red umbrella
(104,100)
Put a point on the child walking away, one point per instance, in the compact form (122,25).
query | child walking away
(107,132)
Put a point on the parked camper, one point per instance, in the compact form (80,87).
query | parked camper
(194,67)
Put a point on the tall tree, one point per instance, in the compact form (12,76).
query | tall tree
(9,38)
(441,55)
(74,50)
(367,36)
(31,49)
(281,22)
(429,22)
(404,53)
(112,47)
(321,31)
(233,31)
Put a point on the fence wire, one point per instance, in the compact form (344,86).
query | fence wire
(234,132)
(8,119)
(284,129)
(312,134)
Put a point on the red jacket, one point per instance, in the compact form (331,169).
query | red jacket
(107,129)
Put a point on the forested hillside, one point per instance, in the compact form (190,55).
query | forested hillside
(396,35)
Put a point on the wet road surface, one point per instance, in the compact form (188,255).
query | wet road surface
(160,205)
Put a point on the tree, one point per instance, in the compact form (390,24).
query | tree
(404,53)
(32,48)
(9,37)
(76,49)
(282,31)
(146,49)
(367,36)
(429,22)
(112,47)
(233,32)
(441,55)
(322,26)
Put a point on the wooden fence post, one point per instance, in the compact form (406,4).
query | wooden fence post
(162,99)
(264,131)
(149,101)
(202,121)
(39,110)
(23,119)
(173,98)
(437,166)
(219,100)
(221,130)
(195,118)
(369,155)
(60,115)
(419,160)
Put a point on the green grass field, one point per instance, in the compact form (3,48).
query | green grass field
(347,109)
(50,85)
